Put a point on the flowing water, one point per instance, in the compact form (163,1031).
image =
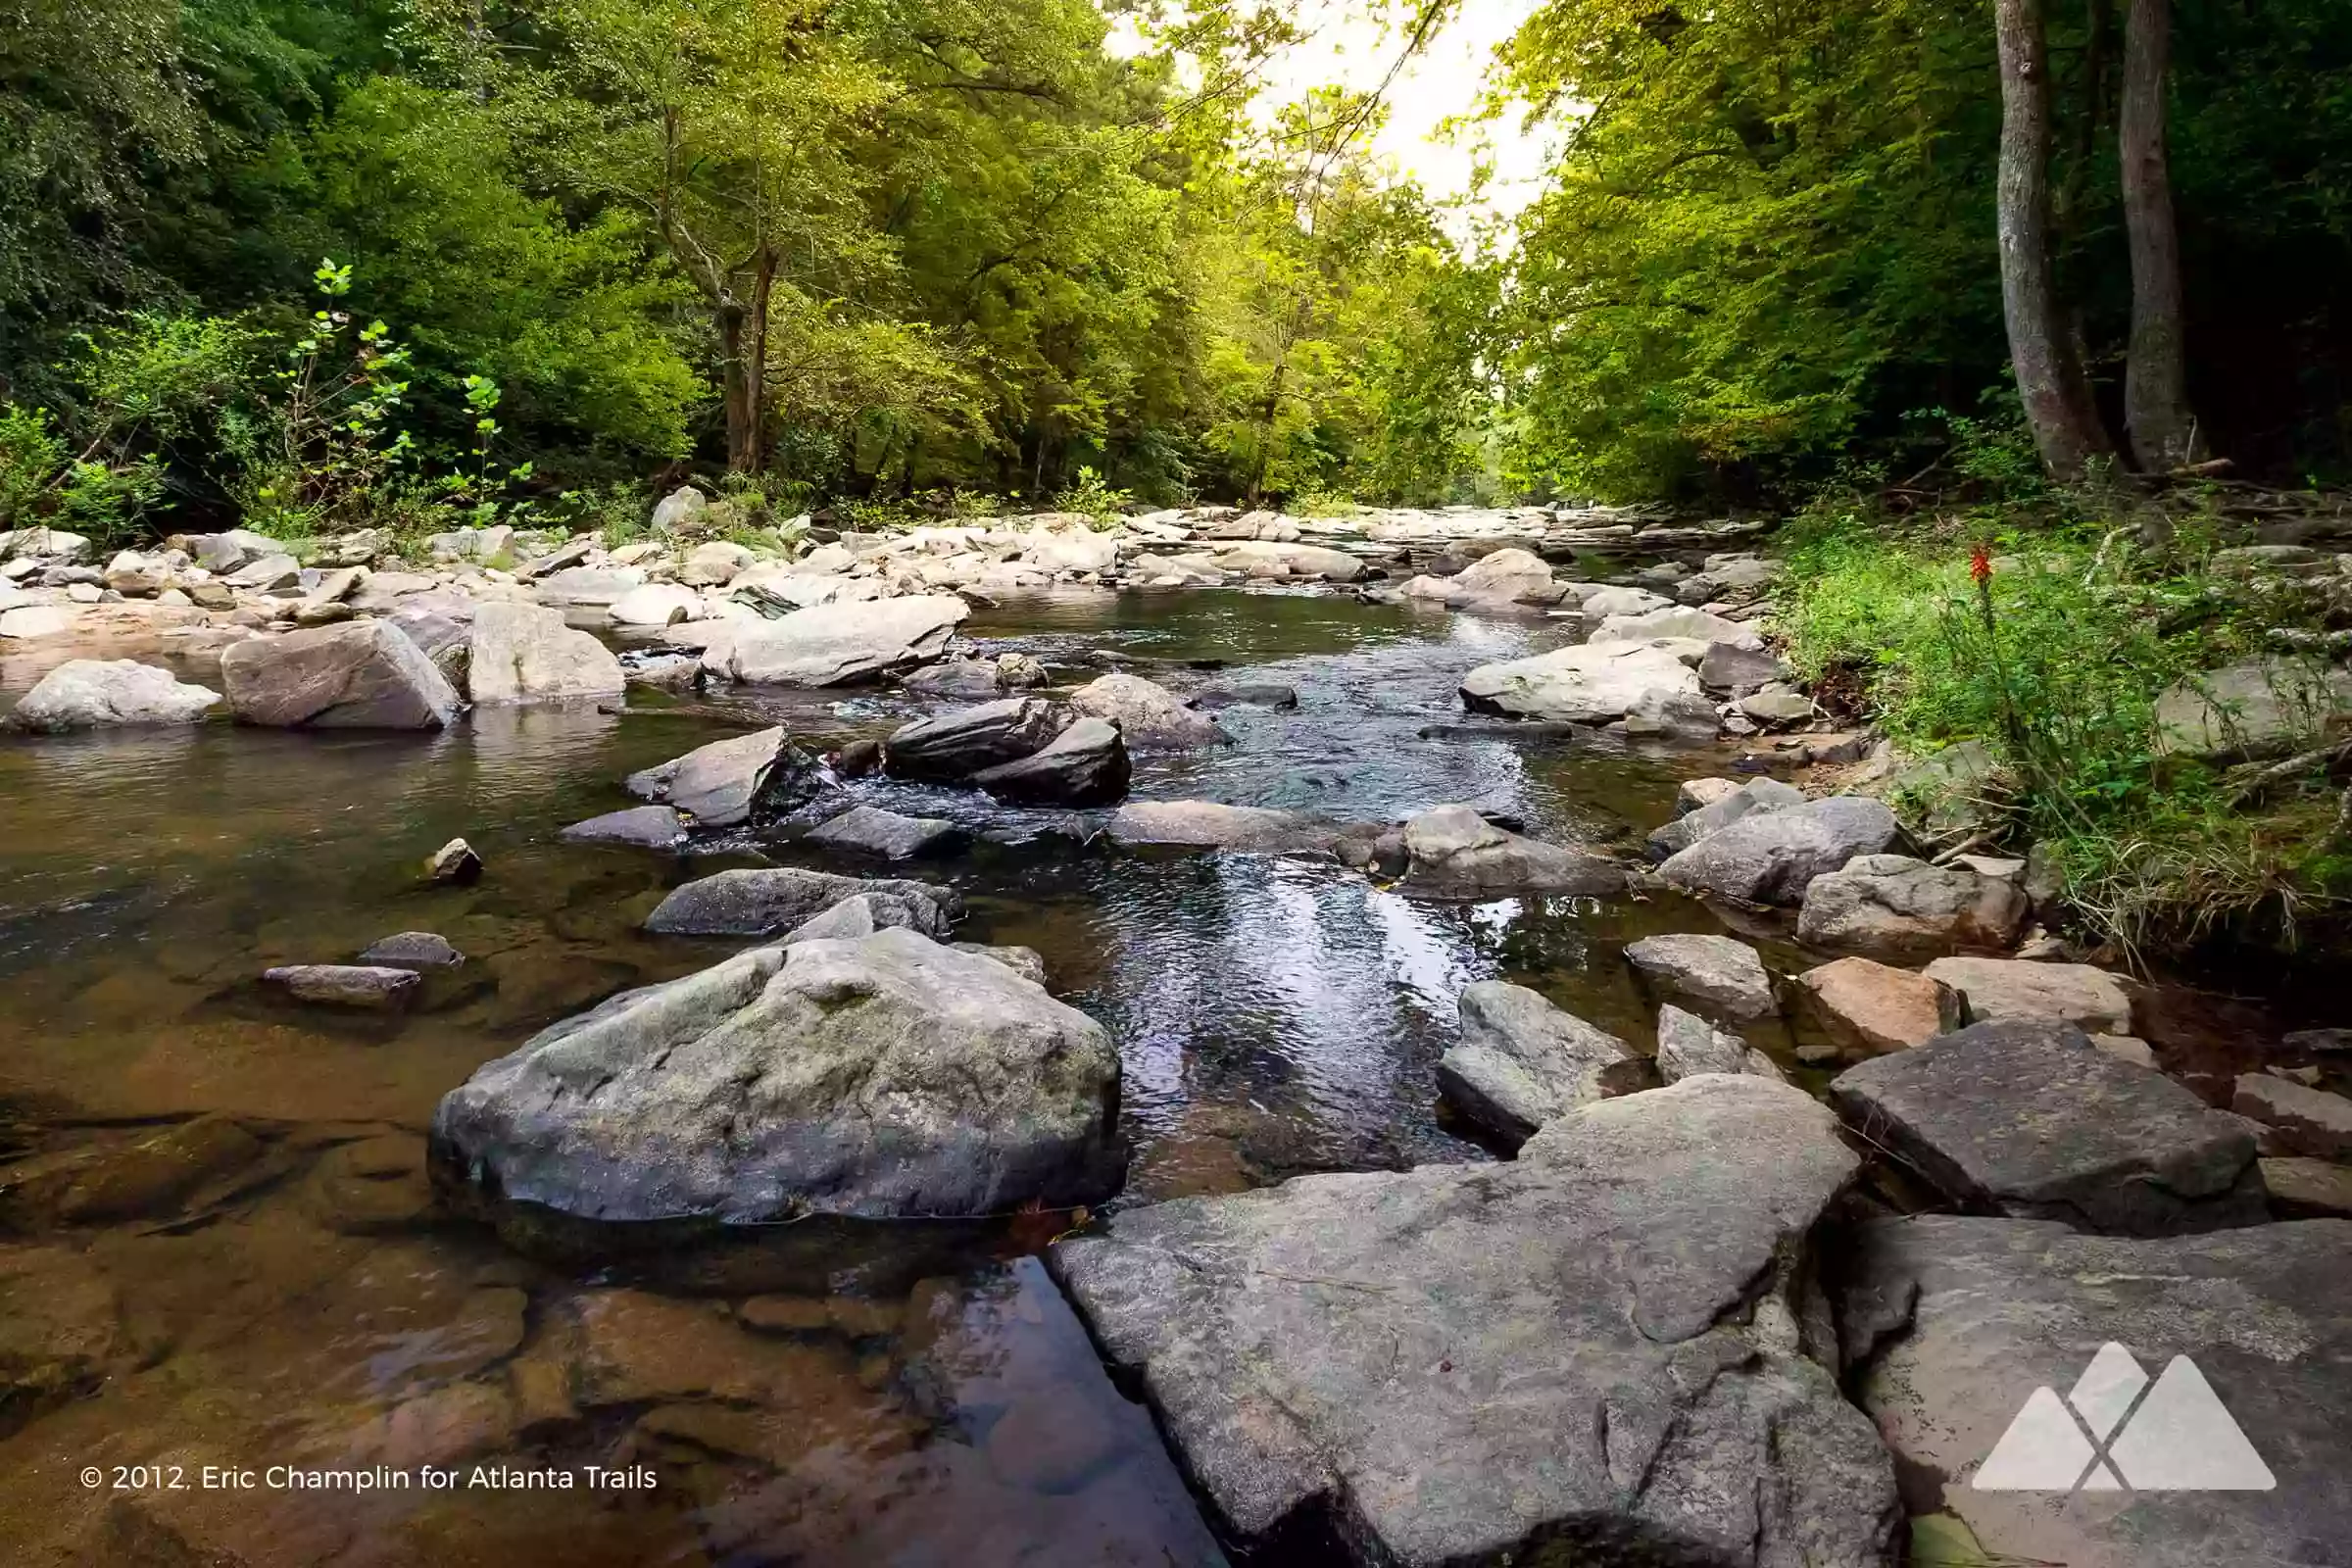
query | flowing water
(217,1248)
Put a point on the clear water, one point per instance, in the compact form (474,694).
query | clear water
(304,1305)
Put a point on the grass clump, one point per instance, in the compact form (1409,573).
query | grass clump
(2048,639)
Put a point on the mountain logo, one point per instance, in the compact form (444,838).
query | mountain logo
(2105,1436)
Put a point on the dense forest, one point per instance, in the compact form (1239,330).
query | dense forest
(284,258)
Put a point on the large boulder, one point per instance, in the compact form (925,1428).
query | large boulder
(1894,907)
(102,694)
(1501,577)
(956,745)
(833,644)
(880,1078)
(1773,857)
(1717,977)
(1580,685)
(1966,1331)
(771,900)
(1454,853)
(1522,1062)
(656,604)
(359,676)
(1595,1345)
(2000,990)
(1147,714)
(524,653)
(2032,1120)
(729,782)
(2259,707)
(1086,764)
(1074,550)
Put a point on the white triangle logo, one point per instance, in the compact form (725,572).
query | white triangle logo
(2104,1436)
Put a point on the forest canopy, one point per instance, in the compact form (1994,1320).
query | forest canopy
(880,249)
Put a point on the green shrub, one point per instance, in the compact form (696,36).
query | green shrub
(1093,497)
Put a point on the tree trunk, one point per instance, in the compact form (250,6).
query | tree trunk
(2156,411)
(740,384)
(2049,375)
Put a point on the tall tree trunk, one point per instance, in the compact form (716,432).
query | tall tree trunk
(2049,374)
(2156,411)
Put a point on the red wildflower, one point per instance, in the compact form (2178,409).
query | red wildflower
(1979,563)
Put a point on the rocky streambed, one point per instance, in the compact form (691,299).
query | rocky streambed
(1350,1128)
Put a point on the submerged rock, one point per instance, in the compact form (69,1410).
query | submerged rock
(102,694)
(454,862)
(1959,1327)
(1209,825)
(880,1078)
(362,675)
(769,901)
(1454,853)
(1598,1343)
(730,782)
(1087,765)
(1522,1062)
(2032,1120)
(643,827)
(378,988)
(413,950)
(870,830)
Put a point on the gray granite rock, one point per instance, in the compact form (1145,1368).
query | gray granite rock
(1689,1045)
(374,988)
(1208,825)
(878,1078)
(1772,857)
(362,675)
(413,950)
(743,780)
(956,745)
(870,830)
(1454,853)
(1522,1062)
(105,694)
(643,827)
(2032,1120)
(1999,990)
(770,901)
(1954,1323)
(1149,715)
(2310,1122)
(1894,908)
(1597,1350)
(1086,764)
(1716,977)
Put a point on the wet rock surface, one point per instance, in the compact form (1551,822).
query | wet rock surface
(1522,1062)
(1456,1365)
(769,902)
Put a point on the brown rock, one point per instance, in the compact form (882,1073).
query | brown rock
(1871,1008)
(2309,1188)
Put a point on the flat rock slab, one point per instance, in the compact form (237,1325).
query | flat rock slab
(770,901)
(2001,989)
(1716,977)
(1958,1321)
(1086,764)
(2309,1121)
(2032,1120)
(870,830)
(1454,853)
(1209,825)
(832,645)
(1522,1062)
(1589,1346)
(879,1078)
(643,827)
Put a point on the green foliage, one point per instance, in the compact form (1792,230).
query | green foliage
(2055,663)
(1090,495)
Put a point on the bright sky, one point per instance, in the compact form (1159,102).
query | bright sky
(1445,80)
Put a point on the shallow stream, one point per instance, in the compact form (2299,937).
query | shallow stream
(300,1302)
